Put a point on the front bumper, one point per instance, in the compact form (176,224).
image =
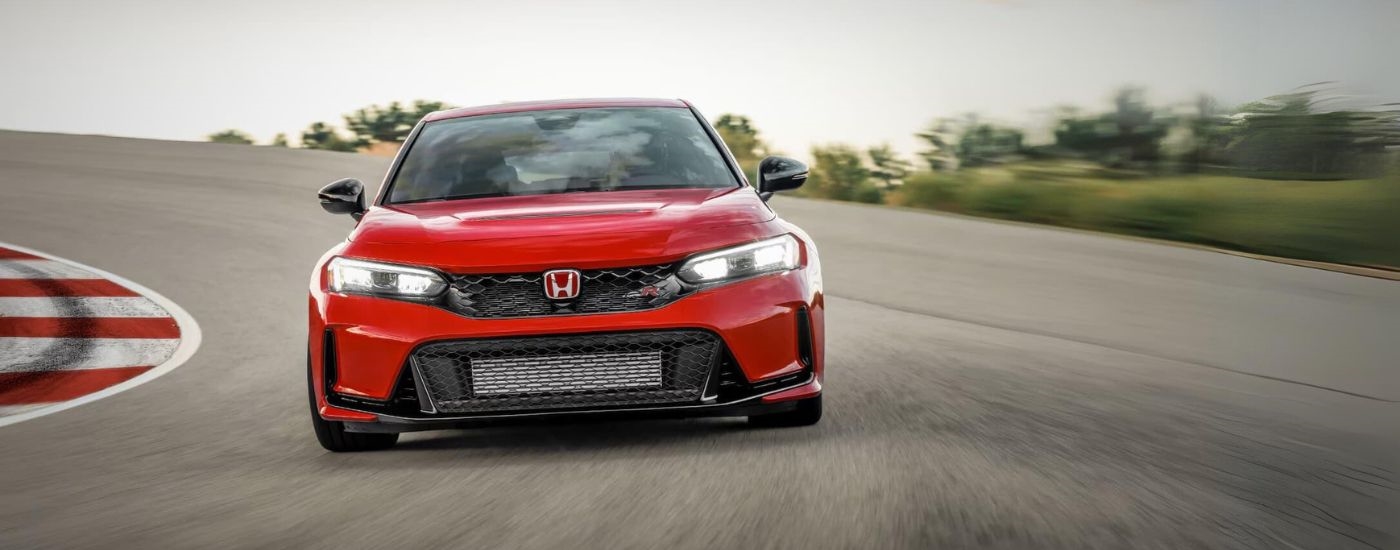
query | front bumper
(367,343)
(776,401)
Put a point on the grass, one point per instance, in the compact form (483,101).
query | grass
(1348,221)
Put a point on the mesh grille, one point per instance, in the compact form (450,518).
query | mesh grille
(600,291)
(554,372)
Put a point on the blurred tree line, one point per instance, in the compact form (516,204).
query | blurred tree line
(238,137)
(1303,174)
(1297,135)
(1302,134)
(839,171)
(365,127)
(1306,174)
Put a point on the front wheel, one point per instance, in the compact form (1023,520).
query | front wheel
(807,413)
(332,435)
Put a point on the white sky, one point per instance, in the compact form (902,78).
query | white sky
(806,72)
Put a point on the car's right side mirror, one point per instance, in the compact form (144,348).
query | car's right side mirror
(779,174)
(345,196)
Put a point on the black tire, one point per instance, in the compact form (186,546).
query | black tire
(332,435)
(807,413)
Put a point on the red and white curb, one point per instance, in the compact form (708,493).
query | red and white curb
(72,334)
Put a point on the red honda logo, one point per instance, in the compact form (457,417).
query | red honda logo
(562,284)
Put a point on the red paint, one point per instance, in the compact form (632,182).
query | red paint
(756,318)
(9,254)
(577,230)
(27,388)
(31,288)
(801,392)
(522,106)
(332,413)
(89,327)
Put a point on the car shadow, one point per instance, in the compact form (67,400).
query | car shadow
(564,441)
(566,435)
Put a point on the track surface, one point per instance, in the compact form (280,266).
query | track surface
(990,385)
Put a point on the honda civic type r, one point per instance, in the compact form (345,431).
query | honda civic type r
(564,258)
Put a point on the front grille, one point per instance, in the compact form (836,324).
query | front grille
(574,371)
(600,291)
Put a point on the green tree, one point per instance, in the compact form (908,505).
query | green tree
(379,123)
(839,173)
(982,144)
(742,138)
(1295,133)
(1140,131)
(388,123)
(231,136)
(886,165)
(942,138)
(279,140)
(1130,134)
(1208,127)
(968,141)
(322,136)
(423,107)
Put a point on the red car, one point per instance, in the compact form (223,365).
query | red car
(563,258)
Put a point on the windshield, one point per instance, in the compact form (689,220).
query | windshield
(559,151)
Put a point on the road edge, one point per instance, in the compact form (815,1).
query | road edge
(190,339)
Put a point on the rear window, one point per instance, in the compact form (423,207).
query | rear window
(559,151)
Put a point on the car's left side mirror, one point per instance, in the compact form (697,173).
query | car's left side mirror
(345,196)
(779,174)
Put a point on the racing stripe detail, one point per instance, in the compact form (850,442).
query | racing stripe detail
(42,354)
(89,327)
(28,388)
(80,307)
(8,254)
(68,332)
(29,288)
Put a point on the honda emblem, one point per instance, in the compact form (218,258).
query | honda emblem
(562,284)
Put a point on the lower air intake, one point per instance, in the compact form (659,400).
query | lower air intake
(563,372)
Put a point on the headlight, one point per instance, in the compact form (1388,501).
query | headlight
(373,278)
(766,256)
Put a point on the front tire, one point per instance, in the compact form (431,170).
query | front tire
(807,413)
(332,435)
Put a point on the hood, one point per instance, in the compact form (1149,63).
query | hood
(583,230)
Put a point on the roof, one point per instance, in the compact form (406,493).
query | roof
(522,106)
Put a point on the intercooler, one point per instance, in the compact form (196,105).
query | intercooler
(582,371)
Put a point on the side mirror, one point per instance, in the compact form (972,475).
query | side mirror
(345,196)
(779,174)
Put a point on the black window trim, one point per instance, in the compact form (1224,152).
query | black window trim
(729,160)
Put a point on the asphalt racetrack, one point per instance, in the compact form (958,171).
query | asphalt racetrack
(989,386)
